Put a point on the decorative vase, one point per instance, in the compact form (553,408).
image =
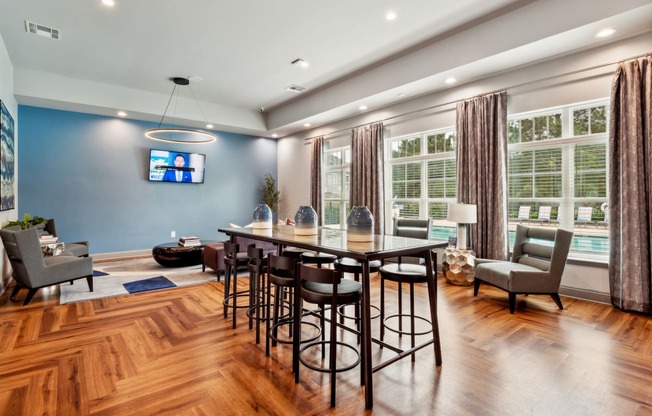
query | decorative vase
(262,218)
(360,225)
(305,221)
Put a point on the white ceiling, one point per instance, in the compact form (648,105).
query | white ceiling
(122,58)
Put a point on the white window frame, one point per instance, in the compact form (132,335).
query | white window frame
(423,158)
(342,169)
(567,144)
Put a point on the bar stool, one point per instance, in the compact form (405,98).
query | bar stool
(410,274)
(281,272)
(314,257)
(256,266)
(349,265)
(326,287)
(233,260)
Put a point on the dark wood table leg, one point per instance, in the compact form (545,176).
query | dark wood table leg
(366,336)
(432,295)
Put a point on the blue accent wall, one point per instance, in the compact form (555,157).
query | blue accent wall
(90,173)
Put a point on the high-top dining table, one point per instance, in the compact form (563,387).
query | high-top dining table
(334,241)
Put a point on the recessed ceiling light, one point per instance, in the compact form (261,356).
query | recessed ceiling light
(122,114)
(274,135)
(450,80)
(363,107)
(109,3)
(306,125)
(209,126)
(390,15)
(605,32)
(300,63)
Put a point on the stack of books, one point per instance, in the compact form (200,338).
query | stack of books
(189,241)
(46,239)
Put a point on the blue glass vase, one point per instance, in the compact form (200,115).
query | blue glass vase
(305,221)
(262,218)
(360,225)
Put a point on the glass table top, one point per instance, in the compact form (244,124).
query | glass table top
(331,239)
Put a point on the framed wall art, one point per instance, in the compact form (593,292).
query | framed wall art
(7,198)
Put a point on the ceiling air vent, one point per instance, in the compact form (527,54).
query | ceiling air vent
(41,30)
(295,88)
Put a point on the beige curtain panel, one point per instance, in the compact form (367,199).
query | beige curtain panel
(630,186)
(315,177)
(367,171)
(481,153)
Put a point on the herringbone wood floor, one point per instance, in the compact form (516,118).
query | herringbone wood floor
(172,353)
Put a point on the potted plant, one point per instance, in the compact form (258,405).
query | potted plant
(27,222)
(269,193)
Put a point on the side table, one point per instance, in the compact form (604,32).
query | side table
(458,266)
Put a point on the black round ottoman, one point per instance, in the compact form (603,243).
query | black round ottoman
(174,255)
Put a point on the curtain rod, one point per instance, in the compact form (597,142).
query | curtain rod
(565,74)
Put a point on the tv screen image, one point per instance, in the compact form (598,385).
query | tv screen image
(171,166)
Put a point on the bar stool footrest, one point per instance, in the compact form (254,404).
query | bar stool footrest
(401,316)
(325,369)
(288,321)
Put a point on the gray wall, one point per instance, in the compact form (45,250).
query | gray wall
(90,173)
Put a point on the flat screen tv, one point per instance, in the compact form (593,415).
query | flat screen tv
(171,166)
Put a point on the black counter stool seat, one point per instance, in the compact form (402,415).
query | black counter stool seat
(257,266)
(294,252)
(318,258)
(325,287)
(281,272)
(410,274)
(233,260)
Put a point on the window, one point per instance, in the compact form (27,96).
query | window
(421,178)
(558,159)
(336,185)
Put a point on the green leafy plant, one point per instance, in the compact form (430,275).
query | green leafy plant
(268,192)
(27,222)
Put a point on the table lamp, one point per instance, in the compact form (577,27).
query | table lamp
(462,214)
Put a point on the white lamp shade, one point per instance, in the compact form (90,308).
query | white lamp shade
(463,213)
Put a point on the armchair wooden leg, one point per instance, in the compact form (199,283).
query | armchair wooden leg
(89,279)
(512,302)
(14,292)
(557,299)
(476,286)
(29,296)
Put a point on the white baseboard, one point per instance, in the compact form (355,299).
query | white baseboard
(122,254)
(585,294)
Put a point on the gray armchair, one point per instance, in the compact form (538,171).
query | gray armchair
(33,271)
(77,248)
(538,261)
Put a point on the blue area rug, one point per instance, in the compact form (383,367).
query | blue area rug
(97,273)
(153,283)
